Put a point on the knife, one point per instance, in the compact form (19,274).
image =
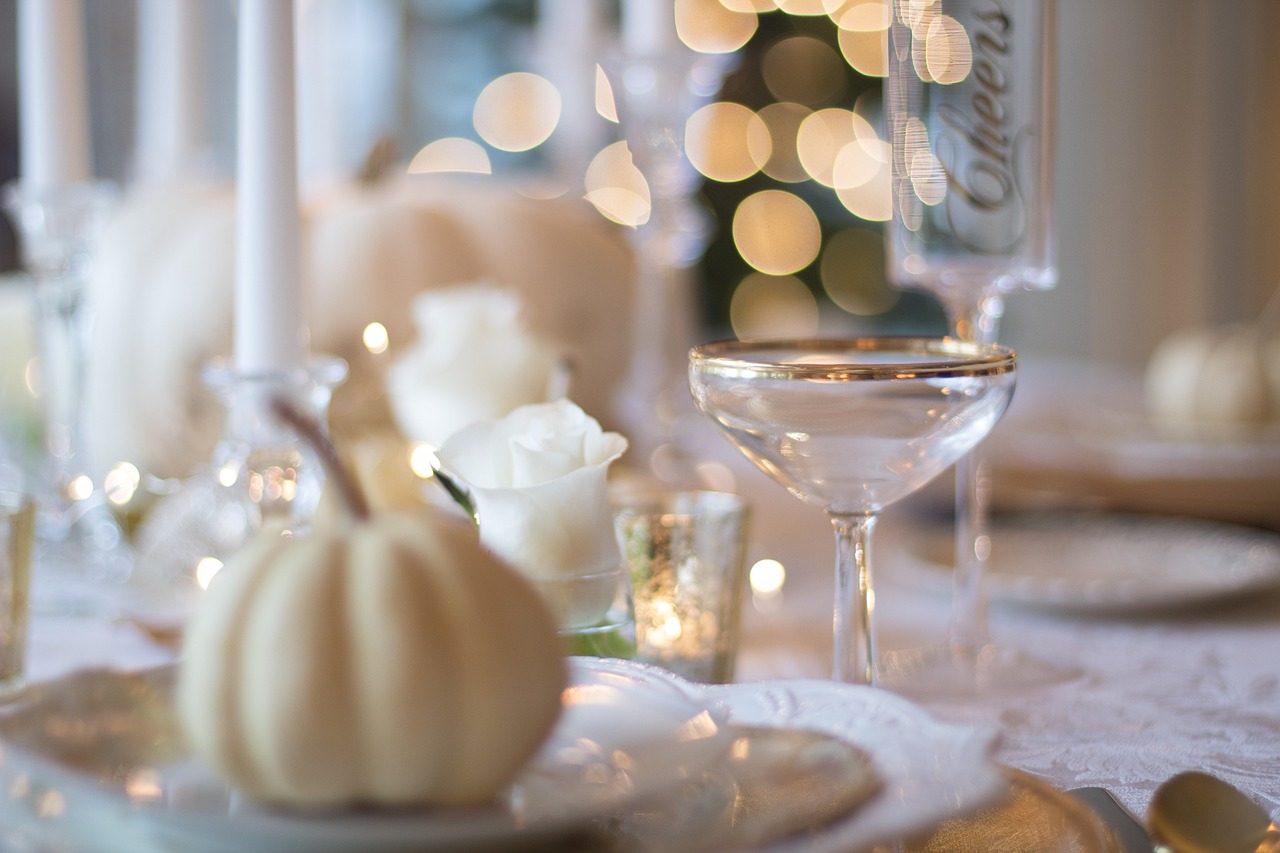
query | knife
(1126,828)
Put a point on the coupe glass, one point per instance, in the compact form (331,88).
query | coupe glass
(969,109)
(852,425)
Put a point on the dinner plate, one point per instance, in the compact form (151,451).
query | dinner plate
(1105,562)
(94,762)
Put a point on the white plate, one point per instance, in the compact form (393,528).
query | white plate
(93,762)
(1107,562)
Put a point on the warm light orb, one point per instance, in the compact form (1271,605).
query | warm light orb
(852,270)
(606,104)
(767,576)
(872,200)
(866,51)
(750,5)
(948,53)
(375,338)
(709,26)
(776,232)
(451,154)
(80,488)
(803,69)
(867,16)
(821,137)
(517,111)
(783,120)
(121,483)
(423,460)
(617,188)
(809,8)
(206,570)
(766,306)
(727,141)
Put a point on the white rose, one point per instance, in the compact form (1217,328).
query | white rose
(538,482)
(474,360)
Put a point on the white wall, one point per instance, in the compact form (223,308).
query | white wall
(1168,199)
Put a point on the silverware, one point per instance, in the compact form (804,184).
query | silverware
(1198,813)
(1127,830)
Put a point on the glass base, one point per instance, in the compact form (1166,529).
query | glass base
(81,565)
(942,672)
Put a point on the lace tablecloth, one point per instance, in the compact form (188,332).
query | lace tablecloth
(1159,693)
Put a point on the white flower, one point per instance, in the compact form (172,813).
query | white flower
(474,360)
(538,482)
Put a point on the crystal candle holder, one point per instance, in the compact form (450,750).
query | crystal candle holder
(84,557)
(259,473)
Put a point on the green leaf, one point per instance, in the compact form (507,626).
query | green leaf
(459,494)
(611,643)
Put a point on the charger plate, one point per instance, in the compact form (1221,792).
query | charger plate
(1099,562)
(95,762)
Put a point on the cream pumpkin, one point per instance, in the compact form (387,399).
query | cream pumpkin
(1215,377)
(384,659)
(161,292)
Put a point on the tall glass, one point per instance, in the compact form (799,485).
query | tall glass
(969,108)
(851,426)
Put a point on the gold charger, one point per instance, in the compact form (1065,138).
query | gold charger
(1034,818)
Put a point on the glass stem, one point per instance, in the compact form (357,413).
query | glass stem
(854,653)
(973,318)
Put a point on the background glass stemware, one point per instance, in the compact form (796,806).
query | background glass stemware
(851,426)
(969,109)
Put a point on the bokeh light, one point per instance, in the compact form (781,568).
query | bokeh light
(451,154)
(852,270)
(517,111)
(750,5)
(871,201)
(375,338)
(809,8)
(776,232)
(803,69)
(821,137)
(727,142)
(617,188)
(121,483)
(709,26)
(783,121)
(767,306)
(948,54)
(866,16)
(767,576)
(606,105)
(866,51)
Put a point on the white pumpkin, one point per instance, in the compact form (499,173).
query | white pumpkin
(162,286)
(385,659)
(1215,377)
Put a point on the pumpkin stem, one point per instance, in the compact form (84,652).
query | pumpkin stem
(377,163)
(311,433)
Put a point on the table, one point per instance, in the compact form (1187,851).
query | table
(1158,695)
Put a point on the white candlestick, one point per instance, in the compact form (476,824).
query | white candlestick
(648,27)
(170,113)
(54,106)
(269,332)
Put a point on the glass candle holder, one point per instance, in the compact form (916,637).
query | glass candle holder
(259,472)
(686,552)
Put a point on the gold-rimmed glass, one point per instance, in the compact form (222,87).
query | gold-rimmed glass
(852,425)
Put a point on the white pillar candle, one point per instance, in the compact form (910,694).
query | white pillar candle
(52,100)
(171,92)
(269,332)
(648,27)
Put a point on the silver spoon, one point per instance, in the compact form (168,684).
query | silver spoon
(1198,813)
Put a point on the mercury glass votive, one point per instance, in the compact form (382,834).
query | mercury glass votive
(686,552)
